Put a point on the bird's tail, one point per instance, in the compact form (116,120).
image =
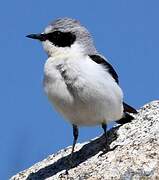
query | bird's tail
(126,116)
(129,109)
(125,119)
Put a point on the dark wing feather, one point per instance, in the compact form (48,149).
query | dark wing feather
(99,60)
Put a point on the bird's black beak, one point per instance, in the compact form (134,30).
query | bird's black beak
(40,37)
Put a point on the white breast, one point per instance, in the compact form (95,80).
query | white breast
(82,91)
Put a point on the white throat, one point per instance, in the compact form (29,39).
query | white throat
(62,52)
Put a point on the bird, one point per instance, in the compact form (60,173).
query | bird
(80,82)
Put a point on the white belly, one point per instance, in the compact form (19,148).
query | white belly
(82,91)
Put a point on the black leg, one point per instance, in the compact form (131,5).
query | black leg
(104,126)
(75,135)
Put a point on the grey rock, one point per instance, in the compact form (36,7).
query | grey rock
(134,154)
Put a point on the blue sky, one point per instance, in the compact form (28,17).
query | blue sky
(126,32)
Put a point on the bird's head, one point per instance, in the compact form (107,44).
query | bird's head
(63,35)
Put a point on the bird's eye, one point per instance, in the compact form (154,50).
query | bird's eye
(57,32)
(61,39)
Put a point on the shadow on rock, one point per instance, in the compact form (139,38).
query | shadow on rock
(87,151)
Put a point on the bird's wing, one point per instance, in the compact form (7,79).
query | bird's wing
(100,60)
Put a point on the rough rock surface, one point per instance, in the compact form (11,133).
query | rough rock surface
(134,154)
